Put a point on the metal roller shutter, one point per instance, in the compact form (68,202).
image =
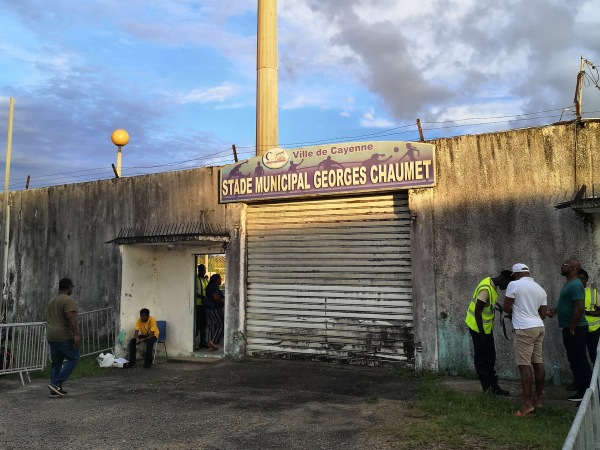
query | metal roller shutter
(331,279)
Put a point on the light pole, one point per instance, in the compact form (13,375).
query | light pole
(120,138)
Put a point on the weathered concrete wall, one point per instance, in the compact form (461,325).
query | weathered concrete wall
(61,231)
(494,205)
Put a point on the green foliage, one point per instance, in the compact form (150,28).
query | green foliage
(88,366)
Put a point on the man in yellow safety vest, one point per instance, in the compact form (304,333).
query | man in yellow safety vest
(592,315)
(480,320)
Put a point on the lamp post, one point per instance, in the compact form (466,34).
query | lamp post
(120,138)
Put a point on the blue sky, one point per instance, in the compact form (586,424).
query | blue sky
(180,76)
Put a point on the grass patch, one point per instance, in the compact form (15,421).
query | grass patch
(87,367)
(443,418)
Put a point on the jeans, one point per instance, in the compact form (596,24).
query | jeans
(575,347)
(485,359)
(59,352)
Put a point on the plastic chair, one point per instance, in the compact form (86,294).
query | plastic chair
(162,338)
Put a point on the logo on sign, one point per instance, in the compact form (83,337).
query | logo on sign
(275,158)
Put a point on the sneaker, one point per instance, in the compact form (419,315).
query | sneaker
(56,390)
(54,395)
(575,398)
(572,387)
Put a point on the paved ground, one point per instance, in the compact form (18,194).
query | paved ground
(255,404)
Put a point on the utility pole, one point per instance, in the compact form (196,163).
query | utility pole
(6,210)
(266,78)
(578,89)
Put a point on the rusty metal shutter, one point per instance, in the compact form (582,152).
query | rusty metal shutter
(330,279)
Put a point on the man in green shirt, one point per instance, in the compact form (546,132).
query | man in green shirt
(63,337)
(570,311)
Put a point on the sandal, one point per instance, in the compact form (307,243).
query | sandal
(527,414)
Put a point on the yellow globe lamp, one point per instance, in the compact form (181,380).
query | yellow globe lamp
(120,138)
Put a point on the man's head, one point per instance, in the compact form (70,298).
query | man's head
(503,279)
(520,270)
(583,276)
(201,270)
(570,268)
(144,314)
(66,285)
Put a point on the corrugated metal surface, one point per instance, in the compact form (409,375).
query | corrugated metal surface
(330,279)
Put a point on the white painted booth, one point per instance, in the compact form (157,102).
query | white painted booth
(161,277)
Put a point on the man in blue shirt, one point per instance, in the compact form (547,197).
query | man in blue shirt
(570,310)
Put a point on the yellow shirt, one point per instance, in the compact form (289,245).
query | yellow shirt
(148,327)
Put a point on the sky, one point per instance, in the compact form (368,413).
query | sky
(180,77)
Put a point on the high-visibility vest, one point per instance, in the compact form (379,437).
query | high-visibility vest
(590,305)
(201,284)
(487,315)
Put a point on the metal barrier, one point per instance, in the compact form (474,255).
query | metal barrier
(24,346)
(585,429)
(97,330)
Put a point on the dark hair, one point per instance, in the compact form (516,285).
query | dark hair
(65,284)
(213,278)
(506,274)
(144,311)
(584,273)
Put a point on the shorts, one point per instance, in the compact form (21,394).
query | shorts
(528,346)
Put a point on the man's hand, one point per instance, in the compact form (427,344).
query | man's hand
(551,312)
(572,329)
(76,341)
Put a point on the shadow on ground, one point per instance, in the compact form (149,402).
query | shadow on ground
(209,405)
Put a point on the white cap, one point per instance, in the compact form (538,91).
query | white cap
(519,267)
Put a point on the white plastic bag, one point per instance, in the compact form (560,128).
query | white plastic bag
(106,360)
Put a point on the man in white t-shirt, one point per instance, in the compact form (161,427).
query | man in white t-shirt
(526,302)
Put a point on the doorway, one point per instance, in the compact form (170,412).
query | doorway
(209,317)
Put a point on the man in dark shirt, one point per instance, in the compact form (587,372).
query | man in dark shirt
(63,337)
(570,311)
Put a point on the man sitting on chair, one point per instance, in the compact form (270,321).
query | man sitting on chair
(146,331)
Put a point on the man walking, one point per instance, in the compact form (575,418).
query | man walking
(480,320)
(570,310)
(63,337)
(526,302)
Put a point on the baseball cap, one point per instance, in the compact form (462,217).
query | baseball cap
(519,267)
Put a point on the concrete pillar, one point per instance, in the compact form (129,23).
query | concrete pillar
(266,80)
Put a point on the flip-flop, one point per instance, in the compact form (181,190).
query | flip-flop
(527,414)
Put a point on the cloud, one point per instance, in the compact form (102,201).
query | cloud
(217,94)
(370,121)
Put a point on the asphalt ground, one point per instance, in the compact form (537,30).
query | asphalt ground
(220,404)
(254,404)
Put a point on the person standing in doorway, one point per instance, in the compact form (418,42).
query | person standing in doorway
(63,337)
(201,283)
(592,316)
(526,302)
(571,318)
(480,320)
(215,302)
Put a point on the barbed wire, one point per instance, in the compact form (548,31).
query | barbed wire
(224,157)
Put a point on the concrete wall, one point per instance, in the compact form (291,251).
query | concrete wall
(62,231)
(494,206)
